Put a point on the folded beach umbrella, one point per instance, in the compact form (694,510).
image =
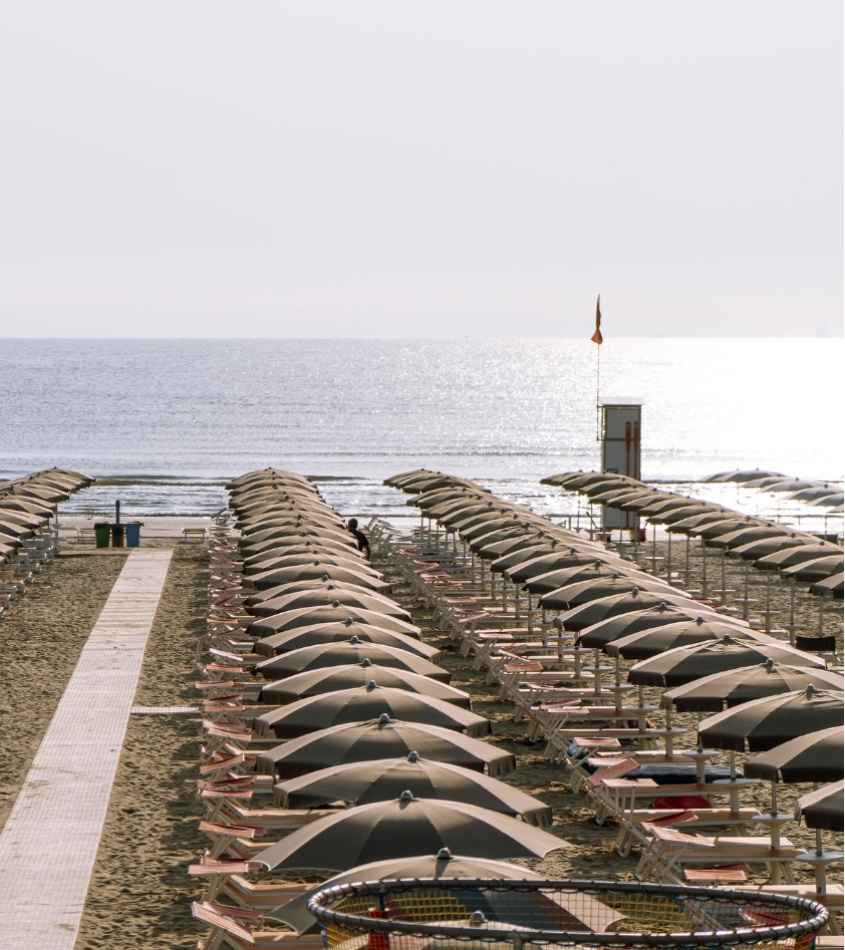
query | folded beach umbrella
(12,531)
(652,642)
(379,780)
(23,518)
(663,503)
(355,675)
(299,544)
(764,723)
(444,865)
(263,537)
(382,738)
(404,827)
(823,808)
(339,654)
(585,592)
(365,703)
(684,664)
(599,634)
(336,612)
(14,502)
(587,614)
(733,687)
(326,633)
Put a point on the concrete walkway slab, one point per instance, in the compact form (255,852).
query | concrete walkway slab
(49,844)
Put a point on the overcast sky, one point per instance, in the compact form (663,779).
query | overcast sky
(449,168)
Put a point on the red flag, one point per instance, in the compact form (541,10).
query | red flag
(597,337)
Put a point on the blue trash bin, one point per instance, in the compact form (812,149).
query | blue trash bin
(133,533)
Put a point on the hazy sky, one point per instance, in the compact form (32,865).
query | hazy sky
(446,168)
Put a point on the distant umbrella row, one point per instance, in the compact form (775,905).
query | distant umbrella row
(763,692)
(767,545)
(27,515)
(354,712)
(823,494)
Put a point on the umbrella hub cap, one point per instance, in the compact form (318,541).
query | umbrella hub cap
(444,854)
(699,621)
(354,639)
(406,796)
(349,621)
(365,662)
(661,606)
(383,720)
(414,756)
(810,691)
(770,665)
(635,591)
(371,685)
(335,603)
(477,919)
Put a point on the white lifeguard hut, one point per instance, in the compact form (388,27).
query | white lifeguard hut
(620,453)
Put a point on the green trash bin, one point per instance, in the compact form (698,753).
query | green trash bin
(133,533)
(102,532)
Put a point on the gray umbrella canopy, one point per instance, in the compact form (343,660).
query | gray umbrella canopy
(367,702)
(325,633)
(734,687)
(340,654)
(563,559)
(764,723)
(444,864)
(564,577)
(587,614)
(574,595)
(648,643)
(379,780)
(754,550)
(796,555)
(830,586)
(318,569)
(324,595)
(604,631)
(818,569)
(335,613)
(405,827)
(355,675)
(382,738)
(688,663)
(815,757)
(823,808)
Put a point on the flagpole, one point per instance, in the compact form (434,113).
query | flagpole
(597,339)
(598,405)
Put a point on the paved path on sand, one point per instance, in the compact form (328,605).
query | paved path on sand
(49,844)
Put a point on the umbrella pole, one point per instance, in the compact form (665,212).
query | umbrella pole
(745,602)
(769,602)
(821,615)
(723,594)
(791,626)
(668,556)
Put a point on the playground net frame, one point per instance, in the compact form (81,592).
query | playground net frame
(482,914)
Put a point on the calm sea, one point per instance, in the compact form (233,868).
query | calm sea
(163,423)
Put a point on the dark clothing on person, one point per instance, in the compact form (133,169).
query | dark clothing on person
(361,538)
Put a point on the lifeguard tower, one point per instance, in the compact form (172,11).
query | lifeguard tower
(620,453)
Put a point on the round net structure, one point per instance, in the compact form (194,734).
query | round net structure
(461,914)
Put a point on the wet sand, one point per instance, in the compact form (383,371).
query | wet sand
(139,888)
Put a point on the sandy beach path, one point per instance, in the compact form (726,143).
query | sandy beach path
(60,809)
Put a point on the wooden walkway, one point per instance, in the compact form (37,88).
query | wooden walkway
(49,844)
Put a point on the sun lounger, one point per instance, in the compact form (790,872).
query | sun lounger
(237,927)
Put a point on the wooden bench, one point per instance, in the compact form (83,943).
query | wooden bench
(197,533)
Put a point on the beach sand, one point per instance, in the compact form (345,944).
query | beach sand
(139,888)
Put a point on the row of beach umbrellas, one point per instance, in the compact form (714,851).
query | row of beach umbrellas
(366,720)
(761,691)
